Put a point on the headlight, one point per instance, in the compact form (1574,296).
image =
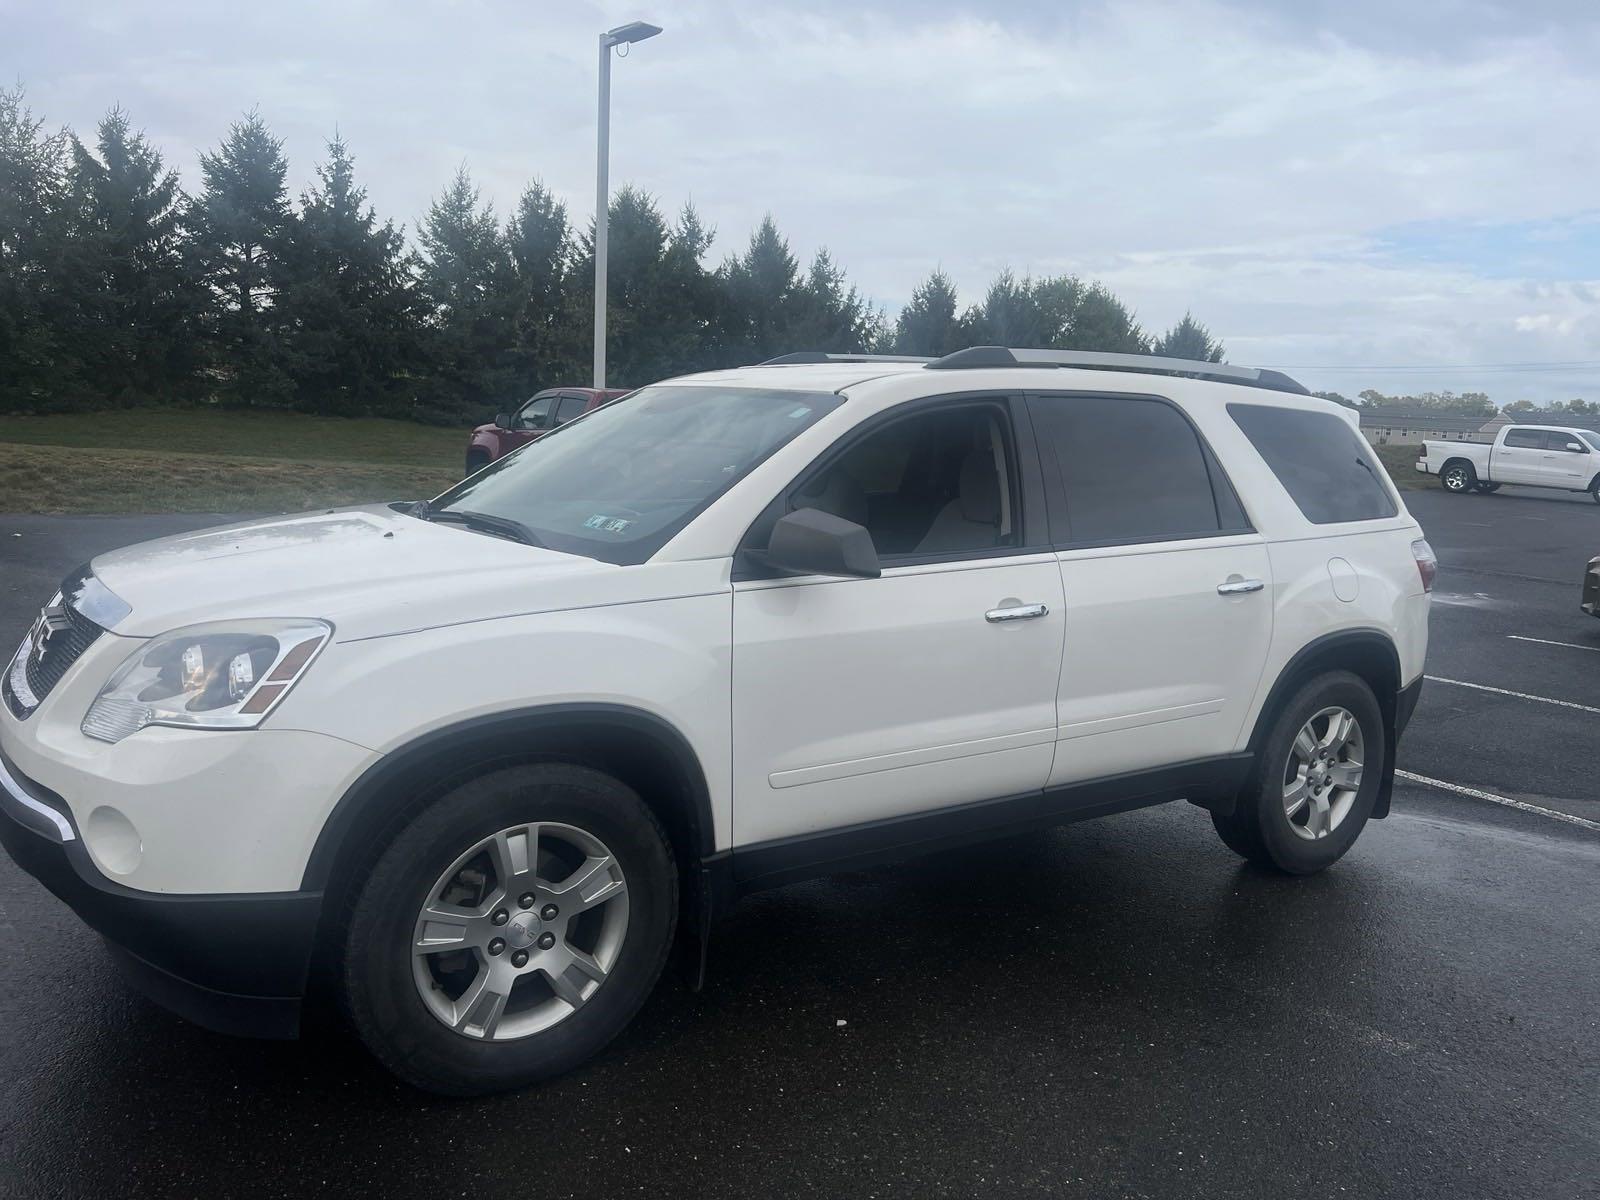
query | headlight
(229,675)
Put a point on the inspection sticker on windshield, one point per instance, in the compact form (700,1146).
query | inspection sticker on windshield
(607,524)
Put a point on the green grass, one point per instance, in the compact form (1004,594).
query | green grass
(1401,463)
(207,460)
(252,434)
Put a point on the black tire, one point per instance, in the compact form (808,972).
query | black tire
(379,992)
(1485,489)
(477,460)
(1259,829)
(1458,478)
(1594,490)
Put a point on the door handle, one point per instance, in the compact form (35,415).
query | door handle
(1237,587)
(1020,612)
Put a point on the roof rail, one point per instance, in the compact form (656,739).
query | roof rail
(817,356)
(1001,356)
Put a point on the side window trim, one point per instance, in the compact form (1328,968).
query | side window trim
(1059,515)
(1027,495)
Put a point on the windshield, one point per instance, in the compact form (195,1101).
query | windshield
(618,483)
(1592,438)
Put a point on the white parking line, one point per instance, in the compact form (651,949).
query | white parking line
(1517,637)
(1483,687)
(1520,805)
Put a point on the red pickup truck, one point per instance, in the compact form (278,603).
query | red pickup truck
(547,410)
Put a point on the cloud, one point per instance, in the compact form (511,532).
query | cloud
(1312,179)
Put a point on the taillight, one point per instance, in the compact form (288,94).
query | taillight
(1427,562)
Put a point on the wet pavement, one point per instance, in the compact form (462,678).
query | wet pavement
(1119,1008)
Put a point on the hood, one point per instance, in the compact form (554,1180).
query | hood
(369,570)
(491,427)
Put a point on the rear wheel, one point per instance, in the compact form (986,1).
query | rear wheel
(1459,478)
(1316,780)
(511,930)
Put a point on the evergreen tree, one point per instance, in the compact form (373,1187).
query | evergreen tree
(238,228)
(930,324)
(347,313)
(540,244)
(1010,314)
(829,314)
(469,284)
(1055,313)
(1189,339)
(37,370)
(762,285)
(692,299)
(136,307)
(658,308)
(1100,321)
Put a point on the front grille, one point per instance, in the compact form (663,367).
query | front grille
(63,648)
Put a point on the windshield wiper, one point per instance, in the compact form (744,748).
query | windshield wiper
(482,522)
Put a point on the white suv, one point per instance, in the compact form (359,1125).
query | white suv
(473,761)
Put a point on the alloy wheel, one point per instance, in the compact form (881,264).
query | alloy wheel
(520,932)
(1322,776)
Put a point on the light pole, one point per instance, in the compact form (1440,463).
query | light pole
(622,35)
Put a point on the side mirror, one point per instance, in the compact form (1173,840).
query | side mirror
(502,421)
(812,542)
(1575,448)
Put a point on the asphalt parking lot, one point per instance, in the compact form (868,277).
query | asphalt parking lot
(1114,1009)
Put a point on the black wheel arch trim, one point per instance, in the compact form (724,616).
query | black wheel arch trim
(1395,703)
(425,762)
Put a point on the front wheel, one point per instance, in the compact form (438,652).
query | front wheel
(1594,490)
(1458,478)
(511,930)
(1316,780)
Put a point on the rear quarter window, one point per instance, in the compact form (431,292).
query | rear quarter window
(1324,465)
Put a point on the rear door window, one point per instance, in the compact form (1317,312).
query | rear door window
(1324,465)
(1130,469)
(1526,439)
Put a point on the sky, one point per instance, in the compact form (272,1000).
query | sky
(1391,194)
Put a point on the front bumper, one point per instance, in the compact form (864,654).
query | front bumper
(1590,602)
(233,963)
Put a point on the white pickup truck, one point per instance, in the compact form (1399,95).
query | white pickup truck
(1528,455)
